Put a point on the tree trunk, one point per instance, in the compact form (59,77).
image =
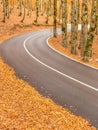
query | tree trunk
(74,26)
(24,4)
(6,8)
(48,8)
(97,19)
(60,7)
(29,7)
(55,21)
(3,11)
(84,30)
(3,2)
(20,7)
(64,22)
(43,7)
(94,18)
(79,12)
(37,11)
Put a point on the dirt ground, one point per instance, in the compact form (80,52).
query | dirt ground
(21,106)
(13,26)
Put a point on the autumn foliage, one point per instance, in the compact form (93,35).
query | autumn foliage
(22,107)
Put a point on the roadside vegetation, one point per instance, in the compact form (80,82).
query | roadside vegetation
(84,12)
(21,106)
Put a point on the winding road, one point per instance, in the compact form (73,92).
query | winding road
(67,82)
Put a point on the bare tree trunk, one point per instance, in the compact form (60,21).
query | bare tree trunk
(74,26)
(12,4)
(48,9)
(3,2)
(8,10)
(41,2)
(84,30)
(37,11)
(97,19)
(43,8)
(55,19)
(60,7)
(3,11)
(24,4)
(11,7)
(29,7)
(6,7)
(20,7)
(79,10)
(64,22)
(72,20)
(94,18)
(40,6)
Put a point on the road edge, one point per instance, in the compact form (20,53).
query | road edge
(47,41)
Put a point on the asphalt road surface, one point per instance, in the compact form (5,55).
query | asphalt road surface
(68,83)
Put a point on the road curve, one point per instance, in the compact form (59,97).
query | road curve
(68,83)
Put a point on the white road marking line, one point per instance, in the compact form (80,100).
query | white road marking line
(88,86)
(68,56)
(59,32)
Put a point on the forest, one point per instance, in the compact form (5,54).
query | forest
(72,27)
(62,12)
